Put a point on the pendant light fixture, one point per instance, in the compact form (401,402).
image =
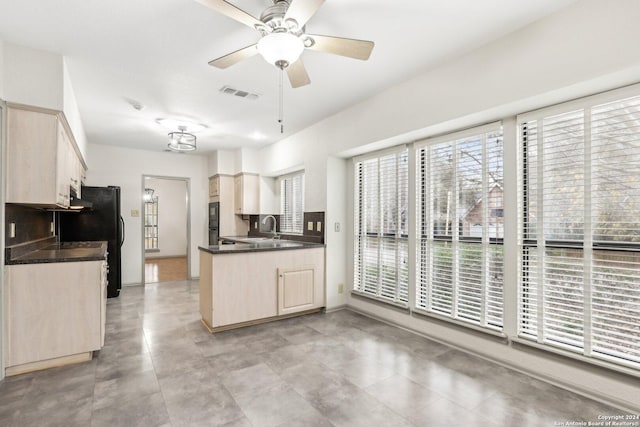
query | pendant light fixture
(148,195)
(182,141)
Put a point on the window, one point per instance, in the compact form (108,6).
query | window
(579,191)
(381,226)
(292,203)
(459,271)
(151,223)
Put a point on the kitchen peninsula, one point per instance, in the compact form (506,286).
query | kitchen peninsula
(259,280)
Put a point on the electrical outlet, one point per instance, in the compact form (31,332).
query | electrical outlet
(340,288)
(51,227)
(319,226)
(135,213)
(336,227)
(310,225)
(255,225)
(12,230)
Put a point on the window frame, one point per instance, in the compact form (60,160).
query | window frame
(540,244)
(398,239)
(428,237)
(297,227)
(153,217)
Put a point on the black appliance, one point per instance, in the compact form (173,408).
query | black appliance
(214,223)
(101,222)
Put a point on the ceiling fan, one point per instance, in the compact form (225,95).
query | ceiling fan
(283,37)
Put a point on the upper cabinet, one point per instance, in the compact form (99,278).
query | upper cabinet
(247,194)
(214,186)
(42,162)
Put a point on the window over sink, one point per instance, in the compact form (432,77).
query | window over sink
(292,203)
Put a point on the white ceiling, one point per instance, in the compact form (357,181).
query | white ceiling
(156,52)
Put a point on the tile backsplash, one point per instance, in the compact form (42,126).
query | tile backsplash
(30,224)
(313,227)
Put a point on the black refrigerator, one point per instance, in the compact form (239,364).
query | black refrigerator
(100,222)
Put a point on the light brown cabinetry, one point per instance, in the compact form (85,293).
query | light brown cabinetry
(245,288)
(54,313)
(214,186)
(42,162)
(230,224)
(297,289)
(247,194)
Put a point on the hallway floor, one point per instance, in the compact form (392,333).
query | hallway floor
(168,269)
(159,367)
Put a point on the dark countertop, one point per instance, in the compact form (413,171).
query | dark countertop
(61,252)
(257,245)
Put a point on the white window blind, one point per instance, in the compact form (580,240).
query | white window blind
(381,227)
(292,203)
(579,191)
(460,227)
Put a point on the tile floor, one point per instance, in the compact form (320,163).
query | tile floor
(160,368)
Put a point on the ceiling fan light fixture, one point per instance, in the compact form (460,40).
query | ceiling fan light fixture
(181,141)
(280,48)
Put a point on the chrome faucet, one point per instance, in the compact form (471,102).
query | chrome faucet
(273,230)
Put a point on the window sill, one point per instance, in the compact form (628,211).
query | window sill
(457,323)
(602,363)
(382,301)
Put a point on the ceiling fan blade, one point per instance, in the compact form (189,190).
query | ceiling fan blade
(297,74)
(302,10)
(352,48)
(232,11)
(234,57)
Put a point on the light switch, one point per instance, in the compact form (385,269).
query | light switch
(310,225)
(319,226)
(336,227)
(12,230)
(255,225)
(135,213)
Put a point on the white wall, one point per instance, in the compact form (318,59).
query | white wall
(172,216)
(2,95)
(588,47)
(33,77)
(336,241)
(71,111)
(109,165)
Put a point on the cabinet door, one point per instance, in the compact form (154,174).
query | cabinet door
(238,194)
(31,157)
(63,167)
(103,301)
(296,289)
(247,194)
(53,310)
(75,170)
(214,186)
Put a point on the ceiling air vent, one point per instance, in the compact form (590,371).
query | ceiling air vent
(239,93)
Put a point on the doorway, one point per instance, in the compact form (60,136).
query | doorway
(165,229)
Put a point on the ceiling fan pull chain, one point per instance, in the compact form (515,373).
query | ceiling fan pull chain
(281,104)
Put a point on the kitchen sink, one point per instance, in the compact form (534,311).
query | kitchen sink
(276,244)
(252,239)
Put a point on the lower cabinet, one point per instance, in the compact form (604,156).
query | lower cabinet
(296,289)
(54,314)
(246,288)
